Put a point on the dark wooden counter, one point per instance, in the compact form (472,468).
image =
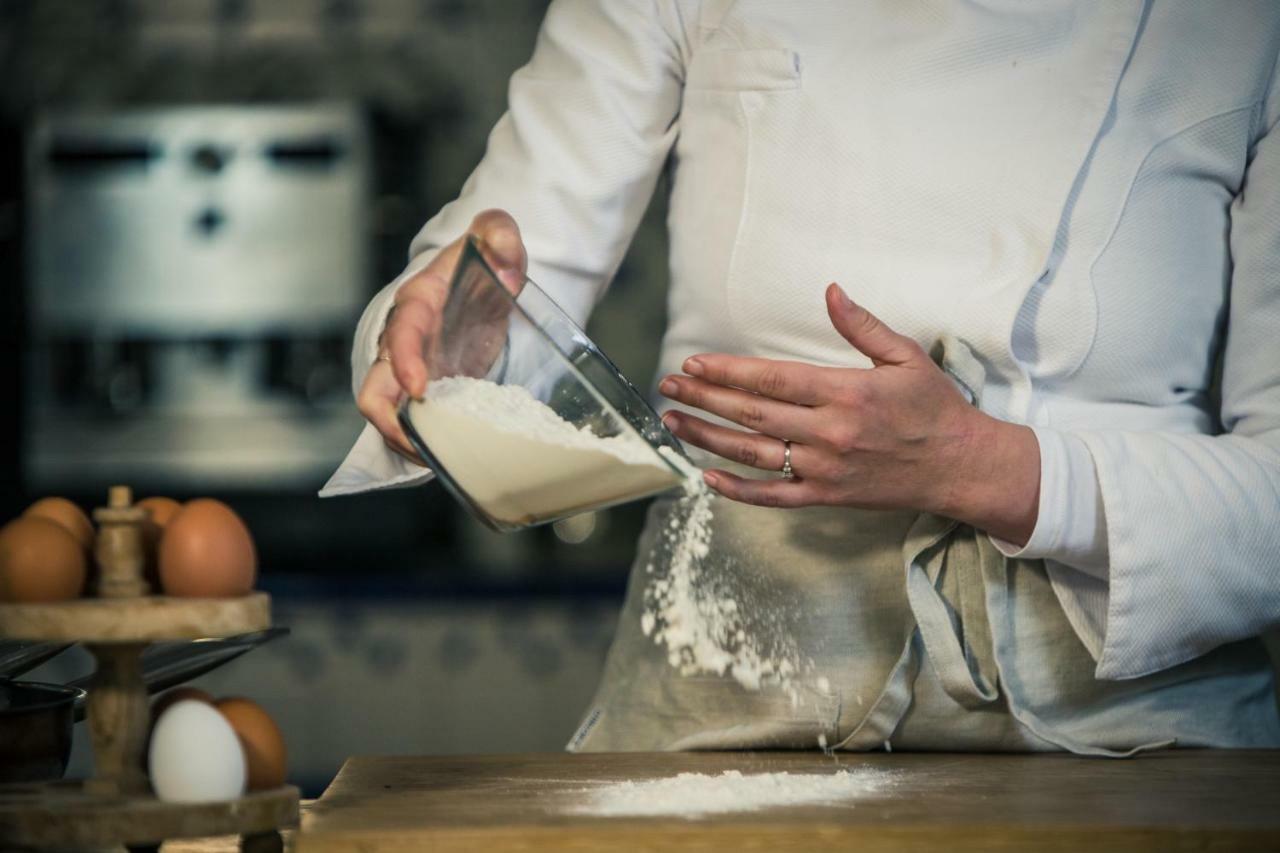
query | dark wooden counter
(1179,800)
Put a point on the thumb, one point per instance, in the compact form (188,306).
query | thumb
(866,332)
(504,247)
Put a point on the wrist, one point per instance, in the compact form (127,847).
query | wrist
(994,485)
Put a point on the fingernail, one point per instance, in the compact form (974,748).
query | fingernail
(668,387)
(710,478)
(693,367)
(671,421)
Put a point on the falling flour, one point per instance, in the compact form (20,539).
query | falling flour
(696,614)
(694,795)
(520,461)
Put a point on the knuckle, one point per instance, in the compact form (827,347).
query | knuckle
(869,323)
(747,455)
(773,381)
(767,497)
(912,350)
(853,394)
(841,438)
(751,414)
(367,400)
(403,375)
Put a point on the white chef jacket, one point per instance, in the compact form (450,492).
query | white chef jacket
(1087,194)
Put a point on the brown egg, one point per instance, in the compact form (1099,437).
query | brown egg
(161,510)
(264,751)
(177,694)
(70,516)
(40,561)
(206,552)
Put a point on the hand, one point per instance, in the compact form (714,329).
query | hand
(401,367)
(898,435)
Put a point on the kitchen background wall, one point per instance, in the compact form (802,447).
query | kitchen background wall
(136,137)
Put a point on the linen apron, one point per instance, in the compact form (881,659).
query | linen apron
(919,635)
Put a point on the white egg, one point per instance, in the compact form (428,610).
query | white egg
(195,755)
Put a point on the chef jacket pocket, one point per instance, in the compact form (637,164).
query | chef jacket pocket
(760,70)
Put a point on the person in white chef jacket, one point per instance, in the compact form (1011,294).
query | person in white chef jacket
(1033,432)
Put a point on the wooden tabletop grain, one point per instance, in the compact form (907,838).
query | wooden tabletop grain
(1177,800)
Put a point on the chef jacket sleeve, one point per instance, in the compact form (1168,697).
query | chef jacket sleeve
(1192,522)
(590,121)
(1070,529)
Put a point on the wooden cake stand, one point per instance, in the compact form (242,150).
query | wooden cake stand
(117,806)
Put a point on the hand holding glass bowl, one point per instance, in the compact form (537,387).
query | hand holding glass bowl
(606,445)
(414,322)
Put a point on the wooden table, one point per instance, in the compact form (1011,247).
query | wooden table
(1179,800)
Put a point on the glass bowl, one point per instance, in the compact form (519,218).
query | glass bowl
(592,443)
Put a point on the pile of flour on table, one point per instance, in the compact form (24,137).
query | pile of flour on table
(693,795)
(697,614)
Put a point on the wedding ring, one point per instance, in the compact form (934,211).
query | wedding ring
(787,473)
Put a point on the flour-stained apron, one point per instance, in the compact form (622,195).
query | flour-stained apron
(927,637)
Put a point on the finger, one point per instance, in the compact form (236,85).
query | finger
(502,246)
(415,321)
(386,322)
(790,381)
(777,493)
(759,451)
(377,401)
(868,334)
(407,452)
(431,286)
(756,412)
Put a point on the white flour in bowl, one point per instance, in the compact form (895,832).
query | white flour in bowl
(694,795)
(522,462)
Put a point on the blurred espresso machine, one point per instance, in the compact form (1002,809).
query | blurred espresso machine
(194,276)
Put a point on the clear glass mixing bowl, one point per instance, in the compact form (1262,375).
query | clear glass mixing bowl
(509,480)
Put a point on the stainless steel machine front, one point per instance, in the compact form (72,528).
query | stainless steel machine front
(194,275)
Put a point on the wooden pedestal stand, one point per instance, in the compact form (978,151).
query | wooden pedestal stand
(116,806)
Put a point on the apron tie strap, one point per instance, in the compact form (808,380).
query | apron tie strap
(925,554)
